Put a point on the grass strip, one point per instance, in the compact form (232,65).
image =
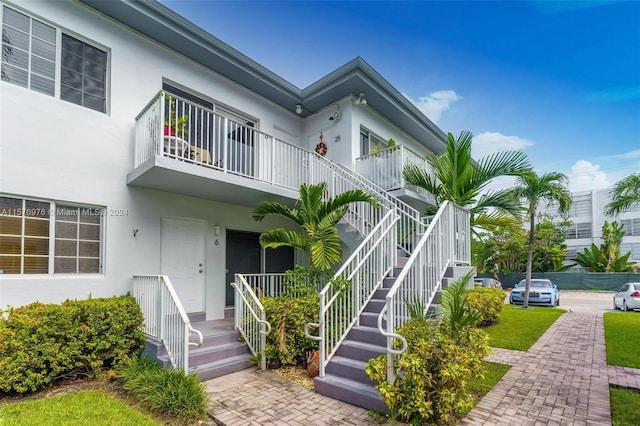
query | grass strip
(519,329)
(624,406)
(622,335)
(88,407)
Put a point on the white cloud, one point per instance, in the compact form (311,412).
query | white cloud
(586,176)
(435,103)
(489,142)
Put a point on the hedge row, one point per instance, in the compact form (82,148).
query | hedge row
(40,343)
(488,302)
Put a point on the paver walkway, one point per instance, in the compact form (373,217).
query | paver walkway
(562,380)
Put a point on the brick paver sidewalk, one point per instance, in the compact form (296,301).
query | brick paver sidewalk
(562,380)
(255,397)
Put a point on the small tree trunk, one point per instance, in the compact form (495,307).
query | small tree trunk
(532,218)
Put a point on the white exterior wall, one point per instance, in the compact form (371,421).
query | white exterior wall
(599,199)
(342,137)
(56,150)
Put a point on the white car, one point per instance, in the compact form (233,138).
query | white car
(627,297)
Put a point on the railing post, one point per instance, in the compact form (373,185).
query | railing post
(263,343)
(225,142)
(185,349)
(390,330)
(160,126)
(322,342)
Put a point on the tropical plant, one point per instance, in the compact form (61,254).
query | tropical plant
(533,189)
(433,386)
(607,258)
(455,310)
(625,194)
(176,123)
(458,178)
(317,218)
(504,251)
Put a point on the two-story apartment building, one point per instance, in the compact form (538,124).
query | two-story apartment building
(134,142)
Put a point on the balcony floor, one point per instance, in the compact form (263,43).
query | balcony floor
(183,177)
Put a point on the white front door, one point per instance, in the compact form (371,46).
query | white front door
(182,260)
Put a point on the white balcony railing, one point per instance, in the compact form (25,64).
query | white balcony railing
(172,127)
(385,168)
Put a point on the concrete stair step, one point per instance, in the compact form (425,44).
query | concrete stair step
(368,335)
(375,305)
(370,319)
(222,367)
(197,316)
(360,351)
(349,368)
(208,354)
(349,391)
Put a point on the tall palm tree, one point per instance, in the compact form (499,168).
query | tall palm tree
(532,189)
(625,193)
(317,218)
(461,180)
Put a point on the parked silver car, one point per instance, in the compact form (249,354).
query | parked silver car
(627,297)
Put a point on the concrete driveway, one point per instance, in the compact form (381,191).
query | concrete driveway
(585,301)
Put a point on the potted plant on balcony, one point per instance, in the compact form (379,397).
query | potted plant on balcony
(176,124)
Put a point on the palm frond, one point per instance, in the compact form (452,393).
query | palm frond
(268,207)
(324,247)
(280,237)
(505,200)
(625,194)
(421,178)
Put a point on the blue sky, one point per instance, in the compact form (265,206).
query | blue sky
(559,80)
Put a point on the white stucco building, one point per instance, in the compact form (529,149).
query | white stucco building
(134,142)
(587,217)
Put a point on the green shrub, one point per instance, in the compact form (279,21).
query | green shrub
(170,392)
(488,302)
(40,343)
(434,373)
(287,343)
(302,282)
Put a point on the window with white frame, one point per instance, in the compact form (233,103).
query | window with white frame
(631,226)
(578,230)
(368,140)
(30,52)
(581,206)
(571,252)
(44,237)
(634,248)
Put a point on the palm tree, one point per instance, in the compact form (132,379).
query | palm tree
(532,189)
(459,179)
(317,218)
(625,193)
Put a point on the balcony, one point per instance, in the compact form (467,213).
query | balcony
(384,168)
(185,148)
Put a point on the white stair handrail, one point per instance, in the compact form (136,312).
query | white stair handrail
(249,319)
(365,270)
(445,243)
(165,318)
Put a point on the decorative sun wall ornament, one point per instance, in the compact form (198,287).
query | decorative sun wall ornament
(321,147)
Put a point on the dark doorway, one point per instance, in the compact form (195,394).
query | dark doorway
(245,255)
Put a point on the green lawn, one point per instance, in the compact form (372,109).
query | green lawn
(89,407)
(480,387)
(622,334)
(520,328)
(624,407)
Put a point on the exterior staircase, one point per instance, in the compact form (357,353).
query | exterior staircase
(345,378)
(221,352)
